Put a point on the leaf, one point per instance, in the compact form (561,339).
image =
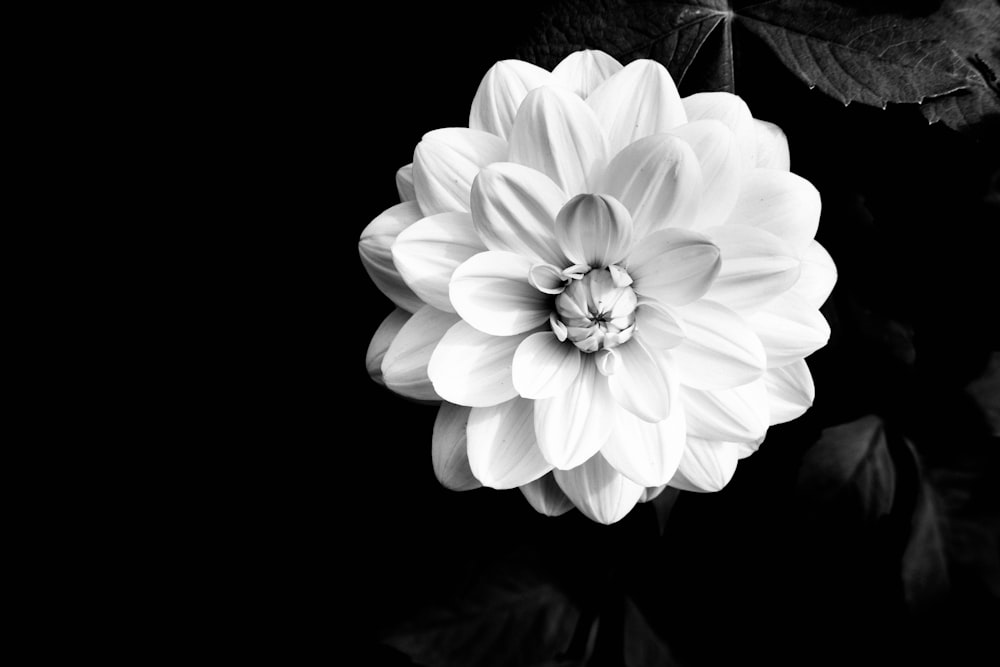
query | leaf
(851,465)
(504,620)
(643,647)
(847,52)
(925,563)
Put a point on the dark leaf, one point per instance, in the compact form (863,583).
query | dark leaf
(508,619)
(925,564)
(643,647)
(851,466)
(847,52)
(985,392)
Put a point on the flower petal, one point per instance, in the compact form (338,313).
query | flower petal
(544,367)
(819,275)
(583,71)
(720,350)
(599,491)
(381,341)
(556,133)
(772,146)
(448,448)
(428,252)
(707,466)
(574,425)
(790,329)
(595,230)
(375,248)
(658,325)
(639,383)
(546,497)
(757,266)
(501,92)
(636,102)
(790,391)
(674,266)
(731,110)
(492,293)
(514,208)
(502,450)
(446,162)
(739,414)
(404,367)
(659,181)
(404,183)
(648,454)
(651,493)
(469,367)
(780,202)
(721,164)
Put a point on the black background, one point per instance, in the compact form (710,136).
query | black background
(742,575)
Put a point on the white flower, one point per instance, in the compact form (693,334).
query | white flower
(611,288)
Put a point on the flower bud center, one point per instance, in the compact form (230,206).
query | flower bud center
(598,311)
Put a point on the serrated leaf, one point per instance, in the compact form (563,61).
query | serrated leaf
(507,618)
(847,52)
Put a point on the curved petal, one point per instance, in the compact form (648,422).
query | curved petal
(514,208)
(501,92)
(491,292)
(658,326)
(721,164)
(720,351)
(772,146)
(380,342)
(674,266)
(636,102)
(583,71)
(502,450)
(648,454)
(446,162)
(707,466)
(818,276)
(544,367)
(375,248)
(659,181)
(731,110)
(595,230)
(790,391)
(599,491)
(651,493)
(404,183)
(556,133)
(572,426)
(640,384)
(404,366)
(428,252)
(448,448)
(745,449)
(757,266)
(471,368)
(740,414)
(546,497)
(789,329)
(780,202)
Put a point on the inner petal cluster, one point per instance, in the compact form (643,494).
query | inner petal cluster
(597,311)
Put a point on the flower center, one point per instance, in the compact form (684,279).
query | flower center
(596,312)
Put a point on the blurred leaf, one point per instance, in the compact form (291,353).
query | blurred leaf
(849,53)
(985,392)
(508,619)
(925,563)
(851,465)
(643,647)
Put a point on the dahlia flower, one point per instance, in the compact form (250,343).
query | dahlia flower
(608,288)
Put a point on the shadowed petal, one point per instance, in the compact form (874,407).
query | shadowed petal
(772,146)
(790,391)
(574,425)
(491,292)
(544,366)
(556,133)
(757,266)
(707,465)
(731,110)
(502,450)
(375,248)
(404,183)
(737,414)
(583,71)
(721,164)
(448,449)
(639,383)
(720,350)
(674,266)
(469,367)
(428,252)
(381,341)
(446,162)
(658,326)
(404,366)
(818,276)
(780,202)
(546,497)
(501,92)
(648,454)
(595,230)
(789,329)
(599,491)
